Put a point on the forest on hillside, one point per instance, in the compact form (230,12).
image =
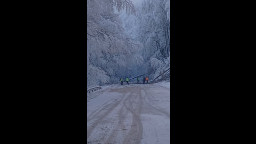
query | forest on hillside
(126,38)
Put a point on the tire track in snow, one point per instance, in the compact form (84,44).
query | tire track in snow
(150,109)
(135,133)
(149,98)
(101,115)
(122,116)
(99,110)
(127,128)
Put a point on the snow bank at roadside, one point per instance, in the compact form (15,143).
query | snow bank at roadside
(165,84)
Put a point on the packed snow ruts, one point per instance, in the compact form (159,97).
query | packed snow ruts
(135,114)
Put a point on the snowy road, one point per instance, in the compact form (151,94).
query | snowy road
(134,114)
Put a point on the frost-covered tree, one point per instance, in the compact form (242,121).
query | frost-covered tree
(153,31)
(110,52)
(124,39)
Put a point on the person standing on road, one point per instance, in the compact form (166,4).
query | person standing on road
(137,80)
(127,80)
(121,80)
(147,79)
(144,80)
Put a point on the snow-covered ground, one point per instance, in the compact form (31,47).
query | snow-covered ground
(129,114)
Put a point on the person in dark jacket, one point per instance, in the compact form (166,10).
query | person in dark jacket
(121,80)
(137,80)
(144,80)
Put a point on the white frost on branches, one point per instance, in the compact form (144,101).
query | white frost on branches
(126,38)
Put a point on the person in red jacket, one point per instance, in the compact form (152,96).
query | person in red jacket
(147,79)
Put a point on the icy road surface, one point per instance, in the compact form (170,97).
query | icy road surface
(129,114)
